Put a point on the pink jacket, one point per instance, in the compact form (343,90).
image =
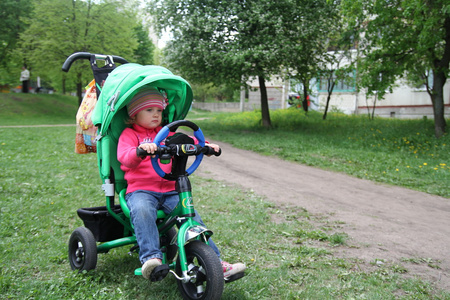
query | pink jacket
(139,173)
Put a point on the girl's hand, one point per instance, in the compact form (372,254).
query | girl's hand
(149,147)
(214,146)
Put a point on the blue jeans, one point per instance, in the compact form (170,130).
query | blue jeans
(143,207)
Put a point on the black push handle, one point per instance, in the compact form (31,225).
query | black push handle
(86,55)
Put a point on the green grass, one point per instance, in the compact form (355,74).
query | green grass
(288,251)
(198,114)
(33,109)
(392,151)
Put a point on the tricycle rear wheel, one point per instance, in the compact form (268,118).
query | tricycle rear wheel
(204,263)
(82,250)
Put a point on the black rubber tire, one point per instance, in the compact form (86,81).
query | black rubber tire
(82,250)
(202,257)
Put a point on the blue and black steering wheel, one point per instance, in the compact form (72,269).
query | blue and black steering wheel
(164,133)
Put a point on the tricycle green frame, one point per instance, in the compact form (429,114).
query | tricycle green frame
(110,116)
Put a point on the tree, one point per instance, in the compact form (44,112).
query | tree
(208,91)
(58,28)
(230,41)
(12,13)
(313,27)
(337,65)
(143,54)
(403,38)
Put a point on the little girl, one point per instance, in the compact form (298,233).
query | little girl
(147,192)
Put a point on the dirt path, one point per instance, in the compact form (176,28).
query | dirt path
(383,222)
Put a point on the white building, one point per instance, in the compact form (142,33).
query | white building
(404,101)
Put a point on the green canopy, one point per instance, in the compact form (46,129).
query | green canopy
(125,81)
(111,116)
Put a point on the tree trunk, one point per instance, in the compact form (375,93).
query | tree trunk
(437,98)
(330,91)
(440,77)
(368,107)
(264,103)
(305,96)
(374,106)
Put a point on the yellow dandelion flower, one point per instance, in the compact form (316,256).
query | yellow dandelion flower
(425,164)
(396,170)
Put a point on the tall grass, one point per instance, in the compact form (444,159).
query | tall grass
(393,151)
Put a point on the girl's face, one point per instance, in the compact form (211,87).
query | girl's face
(149,118)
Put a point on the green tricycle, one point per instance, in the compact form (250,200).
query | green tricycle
(183,241)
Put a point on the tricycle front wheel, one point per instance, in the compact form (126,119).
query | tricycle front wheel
(82,250)
(204,264)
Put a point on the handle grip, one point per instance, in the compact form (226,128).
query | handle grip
(86,55)
(179,151)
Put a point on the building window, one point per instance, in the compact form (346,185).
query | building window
(346,84)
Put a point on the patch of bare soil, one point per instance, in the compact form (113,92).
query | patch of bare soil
(388,224)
